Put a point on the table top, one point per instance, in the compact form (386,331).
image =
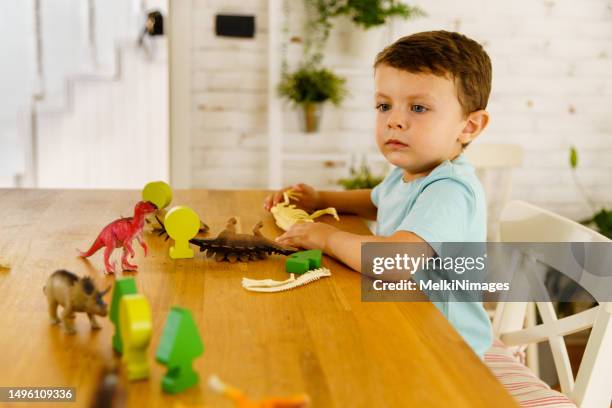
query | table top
(320,339)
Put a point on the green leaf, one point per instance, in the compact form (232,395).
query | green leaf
(573,157)
(371,13)
(603,221)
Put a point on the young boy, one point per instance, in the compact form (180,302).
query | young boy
(432,89)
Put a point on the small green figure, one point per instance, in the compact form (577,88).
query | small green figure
(180,344)
(123,286)
(303,261)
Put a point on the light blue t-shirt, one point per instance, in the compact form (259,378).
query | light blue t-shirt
(447,205)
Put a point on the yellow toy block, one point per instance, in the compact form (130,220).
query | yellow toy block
(159,193)
(182,224)
(136,328)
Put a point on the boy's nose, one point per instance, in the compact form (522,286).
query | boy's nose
(396,124)
(397,121)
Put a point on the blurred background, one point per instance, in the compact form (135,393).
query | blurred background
(82,104)
(259,94)
(254,94)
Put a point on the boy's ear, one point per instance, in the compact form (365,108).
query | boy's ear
(475,123)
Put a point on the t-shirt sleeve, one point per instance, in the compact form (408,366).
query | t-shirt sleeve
(442,212)
(374,194)
(379,189)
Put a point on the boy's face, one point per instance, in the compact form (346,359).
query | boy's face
(419,121)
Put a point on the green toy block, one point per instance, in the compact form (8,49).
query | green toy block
(179,345)
(123,286)
(303,261)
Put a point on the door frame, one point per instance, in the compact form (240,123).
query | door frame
(179,68)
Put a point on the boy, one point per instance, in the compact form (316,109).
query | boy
(432,89)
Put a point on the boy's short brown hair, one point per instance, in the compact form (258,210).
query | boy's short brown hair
(448,54)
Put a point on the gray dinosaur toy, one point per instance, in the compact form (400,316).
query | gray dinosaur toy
(74,294)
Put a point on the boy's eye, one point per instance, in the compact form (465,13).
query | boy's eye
(383,107)
(418,108)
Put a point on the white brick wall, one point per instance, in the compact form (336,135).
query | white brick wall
(552,65)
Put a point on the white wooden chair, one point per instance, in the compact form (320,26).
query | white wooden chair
(495,164)
(523,222)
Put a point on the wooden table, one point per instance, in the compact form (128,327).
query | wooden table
(319,339)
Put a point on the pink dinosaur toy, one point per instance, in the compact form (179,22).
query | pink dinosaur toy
(120,233)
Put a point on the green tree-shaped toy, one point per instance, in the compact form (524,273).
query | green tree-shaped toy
(123,286)
(180,344)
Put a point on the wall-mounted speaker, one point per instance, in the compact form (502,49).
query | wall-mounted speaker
(235,26)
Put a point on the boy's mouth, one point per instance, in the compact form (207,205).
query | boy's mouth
(396,144)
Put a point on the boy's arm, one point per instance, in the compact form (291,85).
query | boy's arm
(356,202)
(346,247)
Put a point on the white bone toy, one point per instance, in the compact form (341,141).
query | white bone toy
(269,285)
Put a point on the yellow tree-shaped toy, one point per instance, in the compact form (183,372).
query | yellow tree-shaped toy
(136,328)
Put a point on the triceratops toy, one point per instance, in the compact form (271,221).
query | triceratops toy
(75,295)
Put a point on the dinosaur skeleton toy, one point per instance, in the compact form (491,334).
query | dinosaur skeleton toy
(270,285)
(287,214)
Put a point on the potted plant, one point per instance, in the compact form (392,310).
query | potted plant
(601,220)
(369,16)
(308,88)
(360,178)
(364,13)
(372,13)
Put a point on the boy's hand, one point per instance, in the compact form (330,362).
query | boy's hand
(308,235)
(308,199)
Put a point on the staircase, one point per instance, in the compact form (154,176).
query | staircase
(114,132)
(16,88)
(100,107)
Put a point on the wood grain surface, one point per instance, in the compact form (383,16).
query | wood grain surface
(319,339)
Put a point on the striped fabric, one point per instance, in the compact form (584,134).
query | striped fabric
(522,384)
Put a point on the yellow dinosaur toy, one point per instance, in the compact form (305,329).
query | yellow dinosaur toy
(287,214)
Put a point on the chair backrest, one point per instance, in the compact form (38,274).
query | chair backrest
(495,164)
(523,222)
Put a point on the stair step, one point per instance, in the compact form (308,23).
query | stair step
(112,125)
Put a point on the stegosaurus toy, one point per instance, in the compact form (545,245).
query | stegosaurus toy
(232,246)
